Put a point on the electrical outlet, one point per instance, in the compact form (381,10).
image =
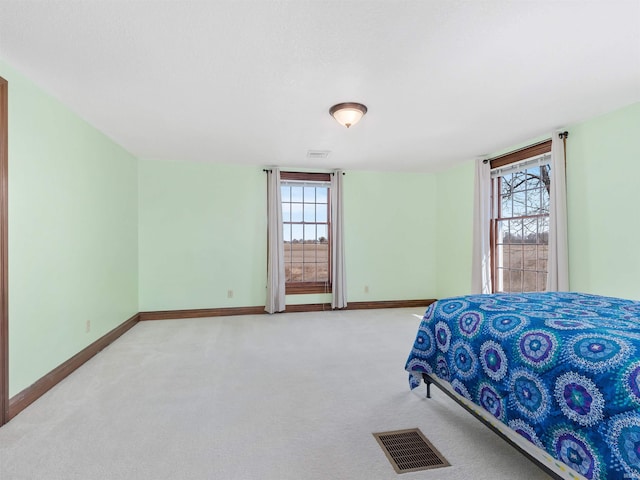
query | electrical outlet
(87,327)
(366,289)
(229,293)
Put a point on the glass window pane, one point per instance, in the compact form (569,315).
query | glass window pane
(506,232)
(503,280)
(518,182)
(519,204)
(309,233)
(322,271)
(545,177)
(534,202)
(309,272)
(528,203)
(286,212)
(542,263)
(531,178)
(296,251)
(515,281)
(296,272)
(503,260)
(515,257)
(544,202)
(505,185)
(322,253)
(322,256)
(309,194)
(543,236)
(530,227)
(286,232)
(321,212)
(285,193)
(506,206)
(503,231)
(515,231)
(533,172)
(309,212)
(543,250)
(542,282)
(322,194)
(323,235)
(542,258)
(305,253)
(296,232)
(296,212)
(543,229)
(287,252)
(296,194)
(287,272)
(530,254)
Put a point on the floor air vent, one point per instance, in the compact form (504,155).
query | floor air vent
(410,451)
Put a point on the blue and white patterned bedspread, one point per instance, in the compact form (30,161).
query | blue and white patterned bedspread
(561,369)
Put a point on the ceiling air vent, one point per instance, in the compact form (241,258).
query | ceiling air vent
(318,153)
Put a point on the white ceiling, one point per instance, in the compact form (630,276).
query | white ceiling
(252,82)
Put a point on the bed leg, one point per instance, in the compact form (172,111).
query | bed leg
(427,382)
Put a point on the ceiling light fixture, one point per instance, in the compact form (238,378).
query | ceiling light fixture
(348,113)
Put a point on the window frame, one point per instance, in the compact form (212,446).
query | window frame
(525,153)
(300,288)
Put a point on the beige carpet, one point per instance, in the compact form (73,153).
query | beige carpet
(287,396)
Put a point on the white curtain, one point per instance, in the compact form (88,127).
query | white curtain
(275,253)
(481,253)
(338,274)
(558,267)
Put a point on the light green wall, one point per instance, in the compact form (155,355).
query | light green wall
(72,233)
(390,242)
(603,172)
(454,227)
(603,184)
(202,232)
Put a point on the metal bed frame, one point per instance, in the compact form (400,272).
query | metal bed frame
(428,380)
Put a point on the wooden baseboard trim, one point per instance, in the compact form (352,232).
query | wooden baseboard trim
(30,394)
(200,313)
(391,304)
(309,307)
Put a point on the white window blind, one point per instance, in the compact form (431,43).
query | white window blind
(303,183)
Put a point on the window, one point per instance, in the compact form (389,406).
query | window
(306,231)
(520,219)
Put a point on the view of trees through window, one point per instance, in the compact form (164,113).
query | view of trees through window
(521,230)
(305,219)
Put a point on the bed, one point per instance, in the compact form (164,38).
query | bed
(559,373)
